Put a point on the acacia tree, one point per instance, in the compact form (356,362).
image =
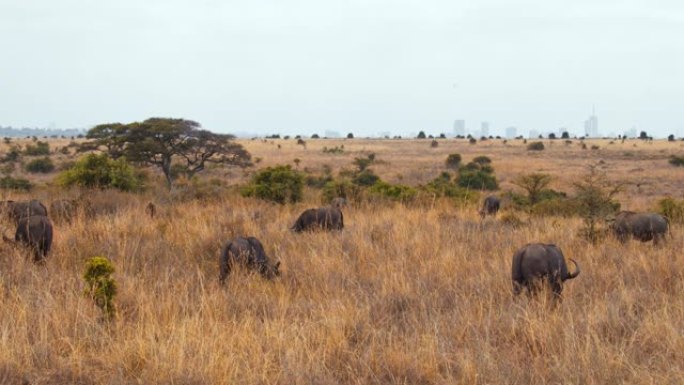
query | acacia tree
(162,142)
(534,184)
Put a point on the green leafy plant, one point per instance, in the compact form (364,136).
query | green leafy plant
(280,184)
(100,286)
(42,165)
(100,171)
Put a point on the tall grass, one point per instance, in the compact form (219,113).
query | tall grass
(402,295)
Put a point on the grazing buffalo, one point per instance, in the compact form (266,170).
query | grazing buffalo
(641,226)
(247,251)
(323,218)
(35,232)
(151,209)
(538,262)
(64,209)
(18,210)
(490,206)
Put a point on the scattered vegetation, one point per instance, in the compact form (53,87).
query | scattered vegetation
(594,195)
(37,149)
(10,183)
(673,209)
(453,161)
(535,146)
(42,165)
(100,286)
(280,184)
(677,161)
(100,171)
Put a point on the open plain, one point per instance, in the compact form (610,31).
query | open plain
(416,293)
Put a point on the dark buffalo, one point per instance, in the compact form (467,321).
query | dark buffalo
(490,206)
(538,262)
(641,226)
(323,218)
(151,209)
(64,209)
(247,251)
(17,210)
(35,232)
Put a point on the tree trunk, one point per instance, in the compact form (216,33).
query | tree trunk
(166,168)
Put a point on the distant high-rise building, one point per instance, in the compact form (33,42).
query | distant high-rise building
(459,127)
(591,125)
(484,129)
(511,132)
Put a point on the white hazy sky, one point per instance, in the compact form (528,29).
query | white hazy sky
(305,66)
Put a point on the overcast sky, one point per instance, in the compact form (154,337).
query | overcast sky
(361,66)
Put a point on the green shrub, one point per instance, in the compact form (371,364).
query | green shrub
(39,149)
(443,186)
(43,165)
(673,209)
(317,181)
(100,171)
(12,155)
(10,183)
(535,146)
(482,160)
(280,184)
(365,178)
(100,286)
(477,180)
(556,207)
(677,161)
(453,161)
(343,189)
(334,150)
(393,192)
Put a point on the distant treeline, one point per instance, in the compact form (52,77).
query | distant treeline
(39,132)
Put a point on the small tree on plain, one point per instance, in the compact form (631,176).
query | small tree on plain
(534,184)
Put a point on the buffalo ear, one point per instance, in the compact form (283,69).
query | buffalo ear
(277,265)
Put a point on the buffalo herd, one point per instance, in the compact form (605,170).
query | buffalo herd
(534,265)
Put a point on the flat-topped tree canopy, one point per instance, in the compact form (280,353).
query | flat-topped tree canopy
(162,142)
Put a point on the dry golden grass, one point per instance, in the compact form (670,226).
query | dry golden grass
(404,295)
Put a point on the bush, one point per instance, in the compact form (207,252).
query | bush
(40,148)
(365,178)
(12,155)
(10,183)
(472,140)
(535,146)
(333,150)
(393,192)
(280,184)
(534,184)
(557,207)
(482,160)
(453,161)
(477,180)
(100,171)
(510,219)
(476,176)
(317,181)
(43,165)
(342,189)
(677,161)
(421,135)
(671,208)
(443,186)
(594,195)
(100,286)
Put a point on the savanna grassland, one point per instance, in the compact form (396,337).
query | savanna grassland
(407,294)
